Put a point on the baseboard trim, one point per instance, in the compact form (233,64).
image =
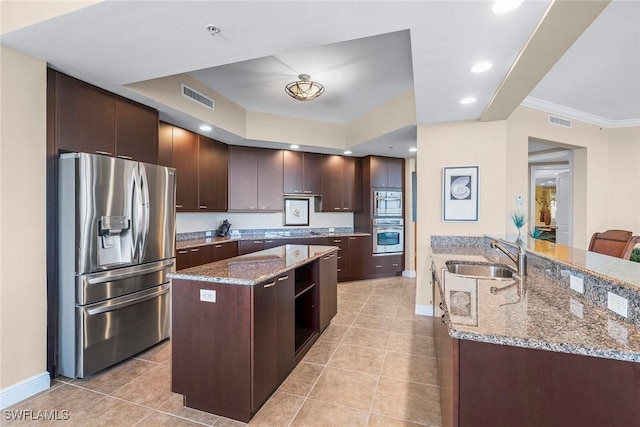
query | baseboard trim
(24,389)
(424,310)
(409,273)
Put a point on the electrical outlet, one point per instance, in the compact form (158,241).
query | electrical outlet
(207,295)
(576,283)
(617,304)
(617,331)
(207,233)
(331,229)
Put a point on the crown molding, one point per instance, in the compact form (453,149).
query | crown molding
(551,108)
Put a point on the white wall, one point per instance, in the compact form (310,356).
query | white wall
(23,304)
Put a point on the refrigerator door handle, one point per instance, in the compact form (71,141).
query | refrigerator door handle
(144,209)
(109,276)
(135,214)
(126,301)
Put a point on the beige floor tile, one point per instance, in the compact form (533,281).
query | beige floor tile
(159,419)
(322,414)
(279,410)
(372,338)
(387,309)
(175,406)
(344,318)
(409,367)
(109,412)
(111,379)
(406,311)
(152,389)
(376,420)
(347,306)
(301,380)
(159,353)
(414,402)
(419,345)
(361,359)
(368,321)
(334,333)
(228,422)
(64,398)
(348,388)
(419,325)
(321,352)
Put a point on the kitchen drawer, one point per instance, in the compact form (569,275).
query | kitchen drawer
(386,264)
(191,257)
(248,246)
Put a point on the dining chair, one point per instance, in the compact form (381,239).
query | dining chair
(616,243)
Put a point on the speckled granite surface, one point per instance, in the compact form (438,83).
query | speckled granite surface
(191,240)
(537,312)
(255,267)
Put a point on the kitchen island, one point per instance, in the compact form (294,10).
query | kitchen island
(240,325)
(530,351)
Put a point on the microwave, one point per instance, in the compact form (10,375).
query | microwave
(387,203)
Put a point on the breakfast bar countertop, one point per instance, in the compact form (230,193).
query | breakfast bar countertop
(537,312)
(256,267)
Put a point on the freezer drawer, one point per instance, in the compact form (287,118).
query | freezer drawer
(95,287)
(114,330)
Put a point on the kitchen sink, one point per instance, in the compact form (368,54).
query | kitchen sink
(487,270)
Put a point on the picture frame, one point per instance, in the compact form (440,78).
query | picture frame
(460,194)
(296,212)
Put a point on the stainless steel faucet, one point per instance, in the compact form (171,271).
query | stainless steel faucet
(519,259)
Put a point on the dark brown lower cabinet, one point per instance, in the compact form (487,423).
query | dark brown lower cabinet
(485,384)
(230,355)
(191,257)
(386,264)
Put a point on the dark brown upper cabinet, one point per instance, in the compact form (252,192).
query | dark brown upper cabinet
(212,175)
(255,179)
(85,117)
(91,120)
(201,168)
(185,160)
(387,172)
(302,173)
(136,131)
(341,184)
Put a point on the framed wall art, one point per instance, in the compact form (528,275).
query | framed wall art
(296,211)
(460,194)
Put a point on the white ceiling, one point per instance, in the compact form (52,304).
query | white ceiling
(364,52)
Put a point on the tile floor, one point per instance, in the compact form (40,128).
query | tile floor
(373,366)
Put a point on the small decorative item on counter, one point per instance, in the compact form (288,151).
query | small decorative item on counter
(519,220)
(535,233)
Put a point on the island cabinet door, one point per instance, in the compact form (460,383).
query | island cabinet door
(265,344)
(211,347)
(286,325)
(328,288)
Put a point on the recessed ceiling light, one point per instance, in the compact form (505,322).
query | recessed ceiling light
(206,128)
(294,146)
(348,152)
(413,149)
(505,6)
(213,30)
(481,67)
(469,100)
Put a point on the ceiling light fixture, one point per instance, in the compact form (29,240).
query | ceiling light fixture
(466,101)
(347,152)
(481,67)
(206,128)
(294,146)
(213,30)
(413,149)
(304,89)
(505,6)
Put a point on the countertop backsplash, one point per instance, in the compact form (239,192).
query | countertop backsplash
(270,232)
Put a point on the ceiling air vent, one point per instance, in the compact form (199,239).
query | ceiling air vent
(558,121)
(196,96)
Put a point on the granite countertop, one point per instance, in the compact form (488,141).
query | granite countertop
(255,267)
(192,243)
(534,312)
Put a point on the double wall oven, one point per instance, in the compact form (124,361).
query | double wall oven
(387,225)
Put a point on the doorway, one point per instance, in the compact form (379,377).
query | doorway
(551,192)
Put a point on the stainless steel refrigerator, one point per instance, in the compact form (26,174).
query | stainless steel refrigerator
(116,222)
